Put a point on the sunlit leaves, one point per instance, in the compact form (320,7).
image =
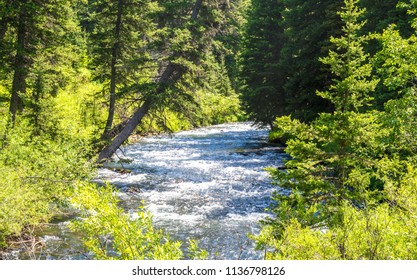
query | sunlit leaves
(351,88)
(110,233)
(396,61)
(38,174)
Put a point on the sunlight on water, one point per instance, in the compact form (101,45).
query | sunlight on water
(208,184)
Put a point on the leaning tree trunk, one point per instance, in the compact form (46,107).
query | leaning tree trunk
(171,74)
(130,126)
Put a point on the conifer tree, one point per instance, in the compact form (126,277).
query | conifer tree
(329,165)
(187,39)
(121,31)
(34,28)
(261,73)
(351,174)
(380,14)
(349,63)
(188,31)
(308,26)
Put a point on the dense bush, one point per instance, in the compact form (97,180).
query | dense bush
(38,175)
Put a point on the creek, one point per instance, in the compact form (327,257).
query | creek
(208,184)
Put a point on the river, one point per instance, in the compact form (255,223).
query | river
(208,184)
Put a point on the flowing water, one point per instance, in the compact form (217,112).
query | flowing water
(207,184)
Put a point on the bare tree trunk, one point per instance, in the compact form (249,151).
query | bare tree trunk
(130,126)
(19,67)
(113,74)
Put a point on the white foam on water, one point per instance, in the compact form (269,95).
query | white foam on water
(47,238)
(207,184)
(208,181)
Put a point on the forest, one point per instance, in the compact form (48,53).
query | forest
(334,81)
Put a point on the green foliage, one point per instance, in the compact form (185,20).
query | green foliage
(380,17)
(204,93)
(62,59)
(164,120)
(216,99)
(308,26)
(280,71)
(350,90)
(216,109)
(348,189)
(384,232)
(261,74)
(401,117)
(332,158)
(37,176)
(332,161)
(195,253)
(40,45)
(120,54)
(280,66)
(21,204)
(285,128)
(380,14)
(395,62)
(132,43)
(109,233)
(45,153)
(411,6)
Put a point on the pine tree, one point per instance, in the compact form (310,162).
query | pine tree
(308,26)
(261,73)
(379,16)
(351,174)
(332,159)
(121,31)
(35,28)
(188,34)
(352,86)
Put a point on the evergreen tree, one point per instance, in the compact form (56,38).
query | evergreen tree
(187,39)
(351,87)
(329,165)
(379,16)
(352,177)
(121,32)
(38,32)
(261,73)
(308,26)
(230,40)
